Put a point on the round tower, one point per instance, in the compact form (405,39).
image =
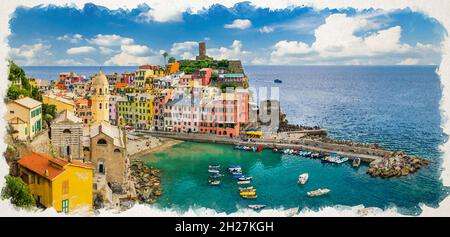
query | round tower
(100,98)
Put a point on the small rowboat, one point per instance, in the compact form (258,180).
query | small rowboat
(213,182)
(356,162)
(250,197)
(318,192)
(247,193)
(215,176)
(244,178)
(214,166)
(303,178)
(213,171)
(256,207)
(243,182)
(243,189)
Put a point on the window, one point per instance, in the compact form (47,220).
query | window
(101,142)
(65,187)
(67,131)
(116,150)
(65,206)
(100,106)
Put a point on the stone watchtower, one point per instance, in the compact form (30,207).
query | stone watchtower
(202,52)
(100,98)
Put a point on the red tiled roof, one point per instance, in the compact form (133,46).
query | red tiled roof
(39,163)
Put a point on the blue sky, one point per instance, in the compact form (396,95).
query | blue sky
(95,35)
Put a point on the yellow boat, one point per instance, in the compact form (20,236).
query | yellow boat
(248,193)
(254,133)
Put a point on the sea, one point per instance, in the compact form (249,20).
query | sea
(396,107)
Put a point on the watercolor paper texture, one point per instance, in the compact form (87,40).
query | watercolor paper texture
(216,108)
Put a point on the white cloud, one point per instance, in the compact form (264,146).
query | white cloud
(81,50)
(266,29)
(110,40)
(241,24)
(336,42)
(75,38)
(409,61)
(35,54)
(135,49)
(285,47)
(233,52)
(131,55)
(105,50)
(184,50)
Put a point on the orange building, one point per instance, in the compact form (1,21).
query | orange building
(83,110)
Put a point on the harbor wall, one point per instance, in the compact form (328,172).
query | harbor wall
(366,154)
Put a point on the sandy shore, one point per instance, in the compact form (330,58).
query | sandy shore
(145,145)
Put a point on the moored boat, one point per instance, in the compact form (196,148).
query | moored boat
(243,178)
(213,171)
(318,192)
(356,162)
(243,182)
(214,166)
(341,160)
(235,168)
(277,81)
(247,193)
(215,176)
(243,189)
(213,181)
(303,178)
(256,206)
(249,196)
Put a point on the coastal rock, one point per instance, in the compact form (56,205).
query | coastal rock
(399,164)
(146,181)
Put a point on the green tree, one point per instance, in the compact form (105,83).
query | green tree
(15,72)
(165,54)
(49,109)
(14,92)
(18,191)
(172,60)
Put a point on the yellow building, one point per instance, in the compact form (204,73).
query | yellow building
(136,110)
(100,98)
(60,102)
(25,117)
(54,182)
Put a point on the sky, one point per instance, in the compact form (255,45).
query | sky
(48,35)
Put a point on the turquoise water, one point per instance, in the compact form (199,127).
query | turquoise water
(184,181)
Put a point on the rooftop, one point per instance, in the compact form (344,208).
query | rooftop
(27,102)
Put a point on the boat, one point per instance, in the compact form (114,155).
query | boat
(243,178)
(318,192)
(259,149)
(303,178)
(274,149)
(214,166)
(235,168)
(249,196)
(213,171)
(277,81)
(215,176)
(341,160)
(243,189)
(356,162)
(239,148)
(243,182)
(213,181)
(256,207)
(247,193)
(236,174)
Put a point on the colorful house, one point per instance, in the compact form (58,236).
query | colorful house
(25,110)
(58,183)
(203,76)
(61,103)
(83,110)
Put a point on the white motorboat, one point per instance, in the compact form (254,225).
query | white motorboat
(318,192)
(256,206)
(303,178)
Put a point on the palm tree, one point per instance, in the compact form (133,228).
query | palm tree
(165,54)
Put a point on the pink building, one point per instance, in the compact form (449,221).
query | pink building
(203,76)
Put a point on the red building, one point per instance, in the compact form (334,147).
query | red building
(203,76)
